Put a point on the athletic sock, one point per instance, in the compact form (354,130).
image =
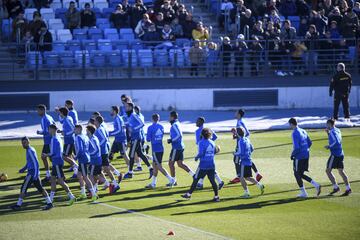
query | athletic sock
(116,172)
(191,173)
(82,190)
(95,187)
(218,179)
(71,196)
(75,168)
(19,202)
(303,190)
(247,191)
(93,192)
(348,187)
(106,183)
(150,167)
(52,194)
(47,173)
(315,184)
(48,200)
(169,177)
(201,181)
(138,164)
(153,181)
(335,186)
(114,182)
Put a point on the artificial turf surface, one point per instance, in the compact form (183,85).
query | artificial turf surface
(277,214)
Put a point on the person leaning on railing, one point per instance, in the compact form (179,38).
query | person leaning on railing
(240,50)
(255,50)
(311,42)
(226,49)
(196,55)
(44,40)
(212,58)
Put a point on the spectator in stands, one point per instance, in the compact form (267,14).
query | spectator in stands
(87,17)
(126,6)
(303,27)
(72,16)
(151,35)
(196,55)
(335,15)
(258,31)
(225,8)
(152,15)
(36,24)
(319,20)
(297,56)
(240,50)
(343,7)
(226,50)
(19,27)
(287,32)
(168,12)
(260,7)
(167,33)
(143,26)
(188,26)
(356,9)
(119,18)
(274,17)
(246,19)
(235,16)
(43,39)
(14,7)
(201,33)
(334,31)
(272,5)
(349,25)
(137,13)
(177,28)
(276,51)
(255,56)
(303,9)
(311,37)
(271,32)
(212,58)
(157,5)
(28,42)
(175,5)
(288,8)
(182,13)
(327,6)
(159,22)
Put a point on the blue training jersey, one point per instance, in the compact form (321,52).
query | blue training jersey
(32,163)
(103,136)
(198,136)
(119,131)
(74,115)
(94,151)
(244,151)
(176,136)
(301,144)
(68,129)
(122,111)
(155,134)
(241,123)
(206,153)
(56,151)
(82,148)
(46,121)
(142,132)
(135,124)
(335,142)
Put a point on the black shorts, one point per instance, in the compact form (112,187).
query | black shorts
(245,171)
(201,173)
(135,148)
(118,147)
(69,149)
(57,171)
(157,157)
(95,170)
(301,165)
(46,148)
(84,169)
(176,155)
(105,160)
(236,159)
(30,180)
(335,162)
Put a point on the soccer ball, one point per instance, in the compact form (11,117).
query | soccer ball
(3,177)
(217,149)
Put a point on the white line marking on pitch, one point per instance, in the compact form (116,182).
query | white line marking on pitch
(167,221)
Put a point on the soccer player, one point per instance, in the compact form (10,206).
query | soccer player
(69,136)
(119,132)
(200,124)
(103,135)
(135,125)
(124,100)
(300,156)
(336,159)
(72,112)
(46,121)
(57,174)
(155,134)
(83,156)
(243,152)
(239,115)
(177,146)
(32,177)
(206,154)
(144,146)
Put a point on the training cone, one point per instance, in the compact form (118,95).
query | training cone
(171,233)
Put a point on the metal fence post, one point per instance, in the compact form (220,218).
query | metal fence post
(83,75)
(130,64)
(176,64)
(37,65)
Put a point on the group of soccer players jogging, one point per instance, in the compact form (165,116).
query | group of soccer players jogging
(87,150)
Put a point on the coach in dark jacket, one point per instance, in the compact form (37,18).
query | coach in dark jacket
(341,84)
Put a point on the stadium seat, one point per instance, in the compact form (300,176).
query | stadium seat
(145,58)
(80,33)
(6,28)
(187,57)
(120,44)
(83,2)
(104,45)
(82,58)
(55,24)
(53,34)
(114,3)
(106,12)
(180,57)
(63,35)
(126,54)
(182,42)
(102,23)
(60,13)
(295,21)
(73,45)
(58,46)
(161,57)
(136,44)
(56,4)
(97,12)
(352,53)
(66,3)
(88,44)
(29,13)
(51,59)
(67,59)
(95,33)
(98,58)
(127,33)
(114,58)
(111,33)
(101,4)
(31,60)
(47,13)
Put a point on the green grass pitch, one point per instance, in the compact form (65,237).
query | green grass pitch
(136,213)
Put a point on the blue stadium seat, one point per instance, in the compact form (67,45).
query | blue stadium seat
(352,53)
(295,21)
(180,57)
(182,42)
(127,36)
(102,23)
(31,60)
(136,44)
(114,58)
(106,12)
(95,33)
(6,28)
(114,3)
(161,57)
(73,45)
(126,53)
(120,44)
(126,31)
(88,44)
(187,57)
(145,58)
(80,34)
(98,58)
(97,12)
(82,57)
(67,59)
(51,59)
(58,46)
(60,13)
(111,33)
(105,45)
